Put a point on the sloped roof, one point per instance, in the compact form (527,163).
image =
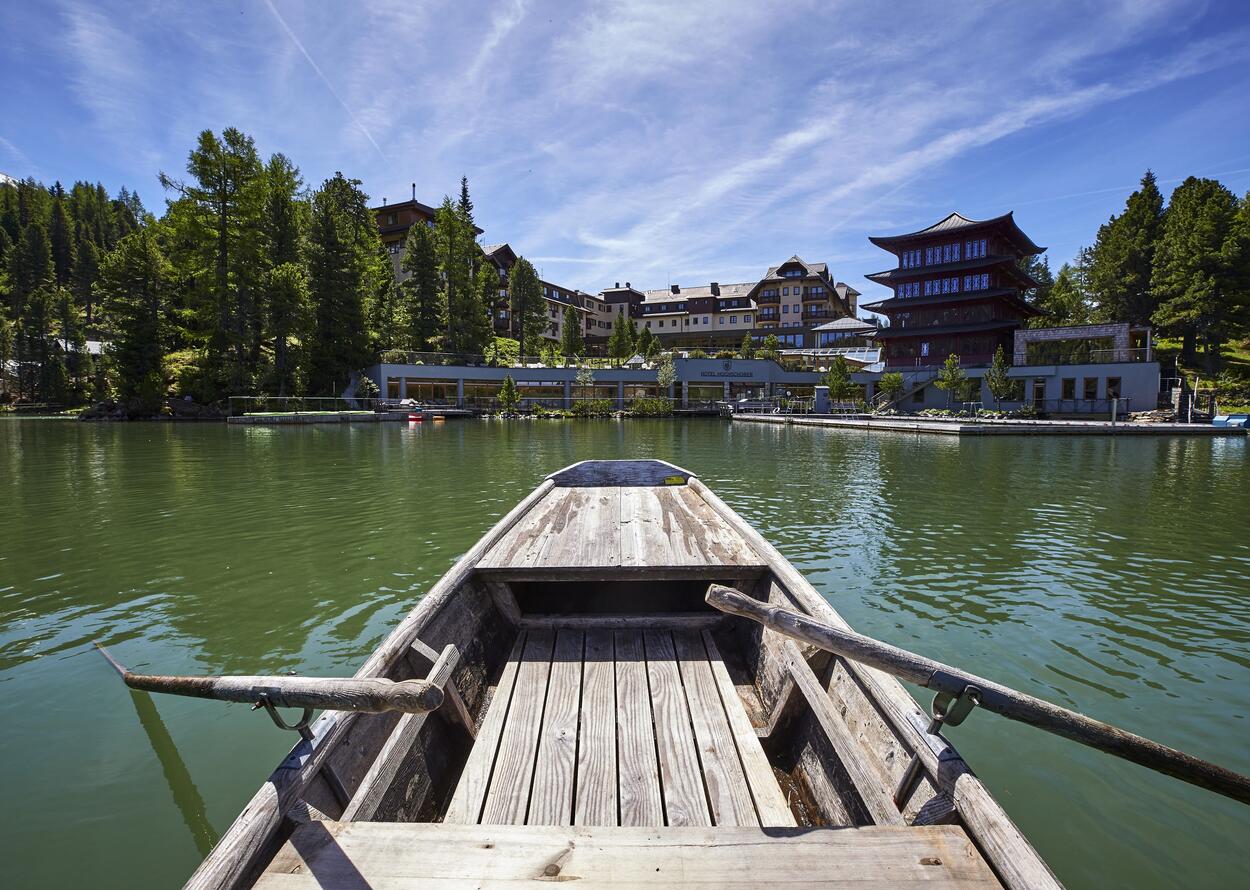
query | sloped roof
(957,222)
(821,269)
(846,324)
(740,289)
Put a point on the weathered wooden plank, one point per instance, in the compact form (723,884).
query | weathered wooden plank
(643,541)
(718,543)
(551,801)
(525,542)
(873,789)
(770,803)
(505,601)
(238,852)
(1010,853)
(509,793)
(591,538)
(470,795)
(364,803)
(681,779)
(723,776)
(389,856)
(596,749)
(638,770)
(453,707)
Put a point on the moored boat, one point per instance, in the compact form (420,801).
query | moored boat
(601,722)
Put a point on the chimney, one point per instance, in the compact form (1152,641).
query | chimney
(627,284)
(675,288)
(414,192)
(716,288)
(383,202)
(618,284)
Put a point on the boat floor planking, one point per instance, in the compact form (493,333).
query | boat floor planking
(612,709)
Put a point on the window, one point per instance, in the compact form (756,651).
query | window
(985,279)
(955,252)
(785,291)
(1067,388)
(661,322)
(721,320)
(705,319)
(393,248)
(924,350)
(733,319)
(928,256)
(1091,388)
(1113,387)
(794,273)
(815,289)
(946,253)
(918,396)
(648,324)
(391,219)
(785,310)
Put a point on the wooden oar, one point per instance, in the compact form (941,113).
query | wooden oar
(373,694)
(991,696)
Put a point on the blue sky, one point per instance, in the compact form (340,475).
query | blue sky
(678,141)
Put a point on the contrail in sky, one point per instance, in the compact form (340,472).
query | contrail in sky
(324,79)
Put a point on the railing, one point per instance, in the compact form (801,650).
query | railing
(238,405)
(1092,357)
(478,360)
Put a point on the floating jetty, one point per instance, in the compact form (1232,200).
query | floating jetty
(967,427)
(302,417)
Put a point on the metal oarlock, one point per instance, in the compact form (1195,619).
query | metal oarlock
(947,710)
(301,727)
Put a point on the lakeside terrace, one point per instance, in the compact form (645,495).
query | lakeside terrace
(699,381)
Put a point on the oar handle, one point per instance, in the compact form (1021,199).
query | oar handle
(995,697)
(372,694)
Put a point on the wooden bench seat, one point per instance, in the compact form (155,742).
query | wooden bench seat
(596,726)
(388,856)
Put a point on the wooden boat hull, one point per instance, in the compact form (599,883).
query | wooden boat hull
(596,702)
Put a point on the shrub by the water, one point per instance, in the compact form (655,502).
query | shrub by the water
(650,407)
(592,408)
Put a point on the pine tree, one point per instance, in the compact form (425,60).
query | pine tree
(225,199)
(529,309)
(997,380)
(480,330)
(61,238)
(1037,268)
(342,246)
(134,284)
(838,379)
(747,348)
(951,377)
(1065,303)
(42,372)
(79,365)
(423,302)
(288,326)
(1121,261)
(572,344)
(465,204)
(86,269)
(771,349)
(618,340)
(631,330)
(643,342)
(509,397)
(454,246)
(1197,275)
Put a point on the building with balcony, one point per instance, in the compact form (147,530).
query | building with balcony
(957,289)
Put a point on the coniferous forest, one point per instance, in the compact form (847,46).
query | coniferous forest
(252,282)
(249,282)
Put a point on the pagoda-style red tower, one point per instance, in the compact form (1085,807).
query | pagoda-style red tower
(957,289)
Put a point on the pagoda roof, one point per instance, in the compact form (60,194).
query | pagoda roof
(1011,295)
(1005,261)
(957,222)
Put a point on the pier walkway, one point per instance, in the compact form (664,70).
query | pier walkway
(955,426)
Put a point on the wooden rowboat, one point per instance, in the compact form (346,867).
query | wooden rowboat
(601,723)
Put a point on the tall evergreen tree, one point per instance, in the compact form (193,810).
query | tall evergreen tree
(61,238)
(86,270)
(619,345)
(643,343)
(342,246)
(480,328)
(1121,261)
(454,247)
(529,309)
(465,204)
(423,302)
(1197,275)
(572,343)
(1038,268)
(226,197)
(1065,303)
(135,282)
(288,326)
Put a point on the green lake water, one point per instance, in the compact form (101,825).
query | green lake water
(1107,575)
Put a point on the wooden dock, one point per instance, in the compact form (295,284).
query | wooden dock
(967,427)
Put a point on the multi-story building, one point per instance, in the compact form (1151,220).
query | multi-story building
(958,289)
(557,298)
(791,302)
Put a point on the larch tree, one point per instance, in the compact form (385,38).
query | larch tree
(529,309)
(618,341)
(1121,262)
(61,238)
(288,326)
(134,284)
(1197,274)
(454,247)
(342,247)
(422,300)
(572,343)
